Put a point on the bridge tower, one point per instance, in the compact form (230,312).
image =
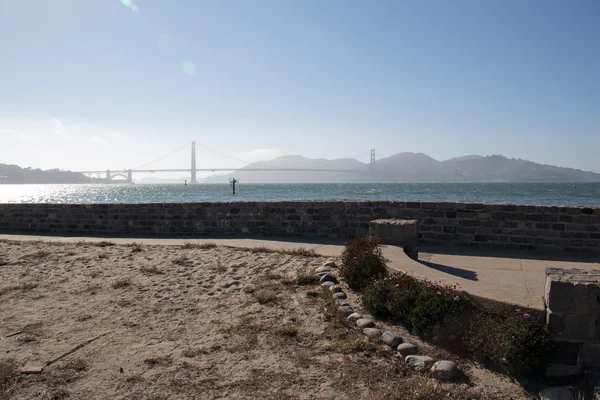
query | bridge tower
(193,180)
(372,174)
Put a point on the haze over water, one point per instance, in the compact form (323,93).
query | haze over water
(574,194)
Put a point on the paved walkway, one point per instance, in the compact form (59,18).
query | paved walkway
(508,276)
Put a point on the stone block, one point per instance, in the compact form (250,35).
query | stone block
(562,370)
(559,294)
(589,355)
(581,326)
(587,297)
(555,322)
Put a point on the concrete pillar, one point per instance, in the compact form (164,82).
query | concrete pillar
(108,174)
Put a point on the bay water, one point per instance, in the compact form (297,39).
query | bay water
(577,194)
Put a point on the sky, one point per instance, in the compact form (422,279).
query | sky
(100,84)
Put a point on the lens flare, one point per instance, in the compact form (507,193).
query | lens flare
(129,4)
(188,68)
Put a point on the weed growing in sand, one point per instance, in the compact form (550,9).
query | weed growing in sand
(201,246)
(121,283)
(102,256)
(151,270)
(181,260)
(296,251)
(190,353)
(77,364)
(135,247)
(38,255)
(105,243)
(304,278)
(265,296)
(22,286)
(8,374)
(160,361)
(288,330)
(27,339)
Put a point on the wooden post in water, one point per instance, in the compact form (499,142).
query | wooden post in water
(233,182)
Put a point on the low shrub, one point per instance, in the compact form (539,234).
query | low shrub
(518,341)
(421,305)
(362,262)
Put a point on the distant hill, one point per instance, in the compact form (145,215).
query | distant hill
(15,175)
(407,167)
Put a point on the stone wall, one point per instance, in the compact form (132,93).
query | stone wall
(574,229)
(573,313)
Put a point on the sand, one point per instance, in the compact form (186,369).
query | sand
(168,322)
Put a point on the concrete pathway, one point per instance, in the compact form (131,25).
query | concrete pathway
(507,276)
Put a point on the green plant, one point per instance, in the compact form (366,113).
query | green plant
(525,344)
(362,262)
(435,302)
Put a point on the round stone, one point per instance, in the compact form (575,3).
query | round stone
(407,349)
(328,278)
(419,363)
(343,302)
(330,263)
(335,288)
(556,393)
(354,317)
(322,269)
(346,310)
(365,323)
(444,370)
(340,295)
(391,339)
(321,274)
(372,333)
(328,283)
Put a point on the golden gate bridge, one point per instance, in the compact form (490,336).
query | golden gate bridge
(127,174)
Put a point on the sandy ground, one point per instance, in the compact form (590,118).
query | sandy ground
(188,323)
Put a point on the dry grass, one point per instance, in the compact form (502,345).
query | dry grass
(121,283)
(288,330)
(22,287)
(8,375)
(181,260)
(105,243)
(158,361)
(151,270)
(296,251)
(76,364)
(201,246)
(136,247)
(265,296)
(37,255)
(304,278)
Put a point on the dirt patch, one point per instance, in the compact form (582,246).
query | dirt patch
(189,323)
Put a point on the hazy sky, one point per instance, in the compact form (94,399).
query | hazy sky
(96,84)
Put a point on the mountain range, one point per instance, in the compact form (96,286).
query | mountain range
(406,167)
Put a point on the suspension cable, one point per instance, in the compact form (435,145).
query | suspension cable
(165,156)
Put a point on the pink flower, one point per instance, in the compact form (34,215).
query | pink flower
(439,292)
(518,310)
(456,298)
(397,285)
(526,315)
